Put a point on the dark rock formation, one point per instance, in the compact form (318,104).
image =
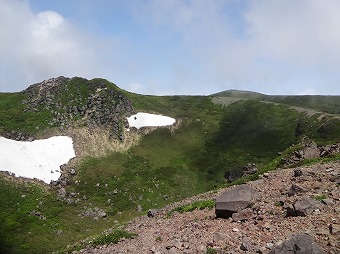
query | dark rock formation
(80,102)
(311,150)
(299,244)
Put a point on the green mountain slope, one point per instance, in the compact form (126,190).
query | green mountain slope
(209,143)
(328,104)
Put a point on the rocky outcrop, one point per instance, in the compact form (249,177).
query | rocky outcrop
(77,101)
(234,200)
(298,244)
(312,150)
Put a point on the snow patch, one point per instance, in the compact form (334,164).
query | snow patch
(39,159)
(149,120)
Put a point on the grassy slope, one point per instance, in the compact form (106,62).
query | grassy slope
(13,117)
(166,166)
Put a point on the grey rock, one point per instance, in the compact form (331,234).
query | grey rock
(311,152)
(245,245)
(290,210)
(306,206)
(295,189)
(152,213)
(62,192)
(234,200)
(299,244)
(297,172)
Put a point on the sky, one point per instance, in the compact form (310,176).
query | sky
(168,47)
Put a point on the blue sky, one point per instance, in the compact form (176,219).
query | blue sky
(174,46)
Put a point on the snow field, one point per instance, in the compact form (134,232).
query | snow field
(140,120)
(39,159)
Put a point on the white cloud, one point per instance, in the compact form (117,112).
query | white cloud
(278,47)
(177,46)
(39,46)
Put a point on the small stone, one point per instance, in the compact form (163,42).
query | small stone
(266,175)
(322,231)
(297,172)
(236,230)
(152,213)
(245,214)
(245,245)
(220,237)
(59,232)
(269,245)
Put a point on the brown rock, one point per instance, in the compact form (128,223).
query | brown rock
(242,215)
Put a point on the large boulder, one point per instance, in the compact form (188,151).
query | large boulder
(234,200)
(298,244)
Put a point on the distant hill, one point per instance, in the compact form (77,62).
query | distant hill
(325,103)
(239,94)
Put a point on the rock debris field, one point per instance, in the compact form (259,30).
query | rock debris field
(291,205)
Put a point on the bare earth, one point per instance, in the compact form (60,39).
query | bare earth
(200,231)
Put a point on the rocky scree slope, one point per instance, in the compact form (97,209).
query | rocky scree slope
(290,204)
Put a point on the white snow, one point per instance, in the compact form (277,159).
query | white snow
(149,120)
(38,159)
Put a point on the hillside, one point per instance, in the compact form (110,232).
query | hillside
(120,172)
(267,226)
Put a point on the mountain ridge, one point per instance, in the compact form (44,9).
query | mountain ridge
(123,173)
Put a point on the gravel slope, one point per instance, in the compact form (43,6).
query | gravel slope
(200,232)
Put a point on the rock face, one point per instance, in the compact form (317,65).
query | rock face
(299,244)
(77,101)
(234,200)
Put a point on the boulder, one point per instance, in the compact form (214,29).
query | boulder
(242,215)
(152,213)
(311,152)
(295,189)
(298,244)
(234,200)
(306,206)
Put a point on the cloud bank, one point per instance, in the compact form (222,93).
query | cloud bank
(39,46)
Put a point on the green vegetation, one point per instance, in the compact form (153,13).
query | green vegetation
(320,197)
(211,251)
(113,237)
(210,144)
(14,118)
(203,204)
